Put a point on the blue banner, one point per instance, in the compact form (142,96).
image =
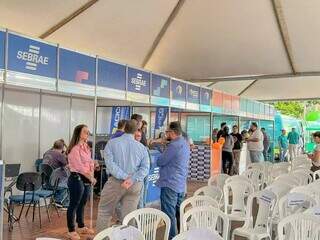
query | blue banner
(33,57)
(111,75)
(178,90)
(118,113)
(138,81)
(161,115)
(77,67)
(193,95)
(205,96)
(160,86)
(2,48)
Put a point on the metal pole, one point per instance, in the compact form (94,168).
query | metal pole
(39,124)
(94,140)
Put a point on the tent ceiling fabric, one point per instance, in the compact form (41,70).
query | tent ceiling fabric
(285,88)
(34,17)
(212,38)
(303,24)
(118,29)
(206,39)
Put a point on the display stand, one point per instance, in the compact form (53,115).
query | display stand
(216,159)
(244,158)
(153,193)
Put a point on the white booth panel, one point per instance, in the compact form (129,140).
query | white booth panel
(82,112)
(21,128)
(103,120)
(55,117)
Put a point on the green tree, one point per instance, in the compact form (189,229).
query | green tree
(292,108)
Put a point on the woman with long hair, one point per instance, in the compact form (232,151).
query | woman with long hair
(80,181)
(227,156)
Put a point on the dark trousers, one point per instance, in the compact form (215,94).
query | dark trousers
(227,162)
(170,205)
(79,193)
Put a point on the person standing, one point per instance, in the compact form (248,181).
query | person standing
(227,156)
(140,121)
(315,156)
(255,143)
(80,181)
(283,145)
(120,129)
(127,161)
(266,143)
(293,138)
(173,165)
(236,148)
(221,131)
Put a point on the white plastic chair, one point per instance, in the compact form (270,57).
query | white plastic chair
(211,191)
(206,217)
(256,176)
(196,201)
(238,191)
(259,166)
(288,179)
(218,180)
(279,169)
(261,229)
(206,235)
(236,178)
(147,221)
(310,190)
(299,227)
(119,232)
(295,202)
(303,176)
(316,175)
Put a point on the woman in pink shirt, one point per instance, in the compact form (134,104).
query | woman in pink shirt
(80,181)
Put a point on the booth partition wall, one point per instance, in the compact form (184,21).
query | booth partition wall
(32,121)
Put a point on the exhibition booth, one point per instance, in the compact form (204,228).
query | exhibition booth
(46,90)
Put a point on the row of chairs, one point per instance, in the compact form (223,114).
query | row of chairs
(33,187)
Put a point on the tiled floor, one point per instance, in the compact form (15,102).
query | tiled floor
(28,230)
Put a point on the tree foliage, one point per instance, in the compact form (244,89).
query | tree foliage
(292,108)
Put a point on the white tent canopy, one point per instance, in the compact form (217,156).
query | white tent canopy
(273,43)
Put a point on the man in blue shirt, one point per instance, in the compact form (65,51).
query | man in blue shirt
(293,138)
(283,145)
(173,165)
(127,161)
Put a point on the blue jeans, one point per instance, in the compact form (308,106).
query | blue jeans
(283,153)
(170,205)
(79,194)
(143,194)
(62,196)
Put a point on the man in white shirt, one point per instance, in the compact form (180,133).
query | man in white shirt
(255,143)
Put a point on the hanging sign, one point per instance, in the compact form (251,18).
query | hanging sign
(205,99)
(161,115)
(31,63)
(160,94)
(193,97)
(111,80)
(76,72)
(138,85)
(118,113)
(178,94)
(217,102)
(2,51)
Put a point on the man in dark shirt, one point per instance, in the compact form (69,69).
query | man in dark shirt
(120,129)
(58,161)
(221,131)
(236,148)
(138,118)
(54,157)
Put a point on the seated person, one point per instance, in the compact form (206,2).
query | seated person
(58,161)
